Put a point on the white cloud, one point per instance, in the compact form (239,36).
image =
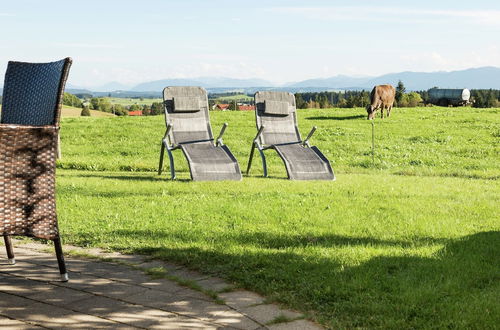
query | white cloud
(88,45)
(391,14)
(436,61)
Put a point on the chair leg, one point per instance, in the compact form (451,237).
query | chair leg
(264,165)
(250,159)
(162,155)
(172,167)
(60,260)
(10,250)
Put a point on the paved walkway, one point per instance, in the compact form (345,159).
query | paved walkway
(118,293)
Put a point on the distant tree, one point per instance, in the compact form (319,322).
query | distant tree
(299,101)
(135,107)
(400,91)
(414,99)
(85,112)
(105,105)
(156,108)
(119,110)
(94,103)
(71,100)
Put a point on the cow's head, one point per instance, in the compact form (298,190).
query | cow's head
(370,109)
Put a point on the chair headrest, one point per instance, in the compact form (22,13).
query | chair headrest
(281,108)
(186,104)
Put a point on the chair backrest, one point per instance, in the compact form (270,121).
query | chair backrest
(186,109)
(276,111)
(32,92)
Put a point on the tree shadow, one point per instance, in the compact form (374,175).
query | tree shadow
(457,287)
(151,178)
(352,117)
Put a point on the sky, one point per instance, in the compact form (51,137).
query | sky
(281,41)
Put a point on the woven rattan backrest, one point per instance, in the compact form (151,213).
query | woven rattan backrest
(188,126)
(33,92)
(278,129)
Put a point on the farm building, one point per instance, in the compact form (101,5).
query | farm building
(135,113)
(446,97)
(222,106)
(246,107)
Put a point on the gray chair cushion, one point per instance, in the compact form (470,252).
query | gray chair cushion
(210,163)
(305,163)
(186,104)
(281,108)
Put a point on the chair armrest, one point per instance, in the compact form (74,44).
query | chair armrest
(306,141)
(219,139)
(167,132)
(259,133)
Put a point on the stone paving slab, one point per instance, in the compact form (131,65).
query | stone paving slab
(111,290)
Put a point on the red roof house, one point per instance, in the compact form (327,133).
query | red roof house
(246,107)
(222,106)
(135,113)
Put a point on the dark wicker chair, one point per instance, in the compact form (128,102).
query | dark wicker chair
(29,133)
(277,129)
(188,129)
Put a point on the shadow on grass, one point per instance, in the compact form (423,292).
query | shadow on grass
(282,242)
(457,288)
(153,177)
(353,117)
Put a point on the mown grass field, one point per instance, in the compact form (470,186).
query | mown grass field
(237,97)
(68,111)
(411,241)
(129,101)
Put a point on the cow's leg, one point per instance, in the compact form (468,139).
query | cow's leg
(389,108)
(382,112)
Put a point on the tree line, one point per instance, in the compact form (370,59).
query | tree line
(480,98)
(105,105)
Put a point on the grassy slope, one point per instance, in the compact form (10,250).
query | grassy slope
(414,250)
(68,112)
(71,112)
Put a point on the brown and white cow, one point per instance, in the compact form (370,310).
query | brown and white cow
(381,97)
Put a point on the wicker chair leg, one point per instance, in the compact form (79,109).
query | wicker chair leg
(10,250)
(60,260)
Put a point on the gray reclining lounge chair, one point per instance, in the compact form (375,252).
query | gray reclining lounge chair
(188,129)
(277,129)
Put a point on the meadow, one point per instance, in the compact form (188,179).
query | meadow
(130,101)
(410,240)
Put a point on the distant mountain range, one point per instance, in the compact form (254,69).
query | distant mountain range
(206,82)
(476,78)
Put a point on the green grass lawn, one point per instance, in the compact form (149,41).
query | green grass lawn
(409,242)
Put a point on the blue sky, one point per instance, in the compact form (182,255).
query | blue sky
(281,41)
